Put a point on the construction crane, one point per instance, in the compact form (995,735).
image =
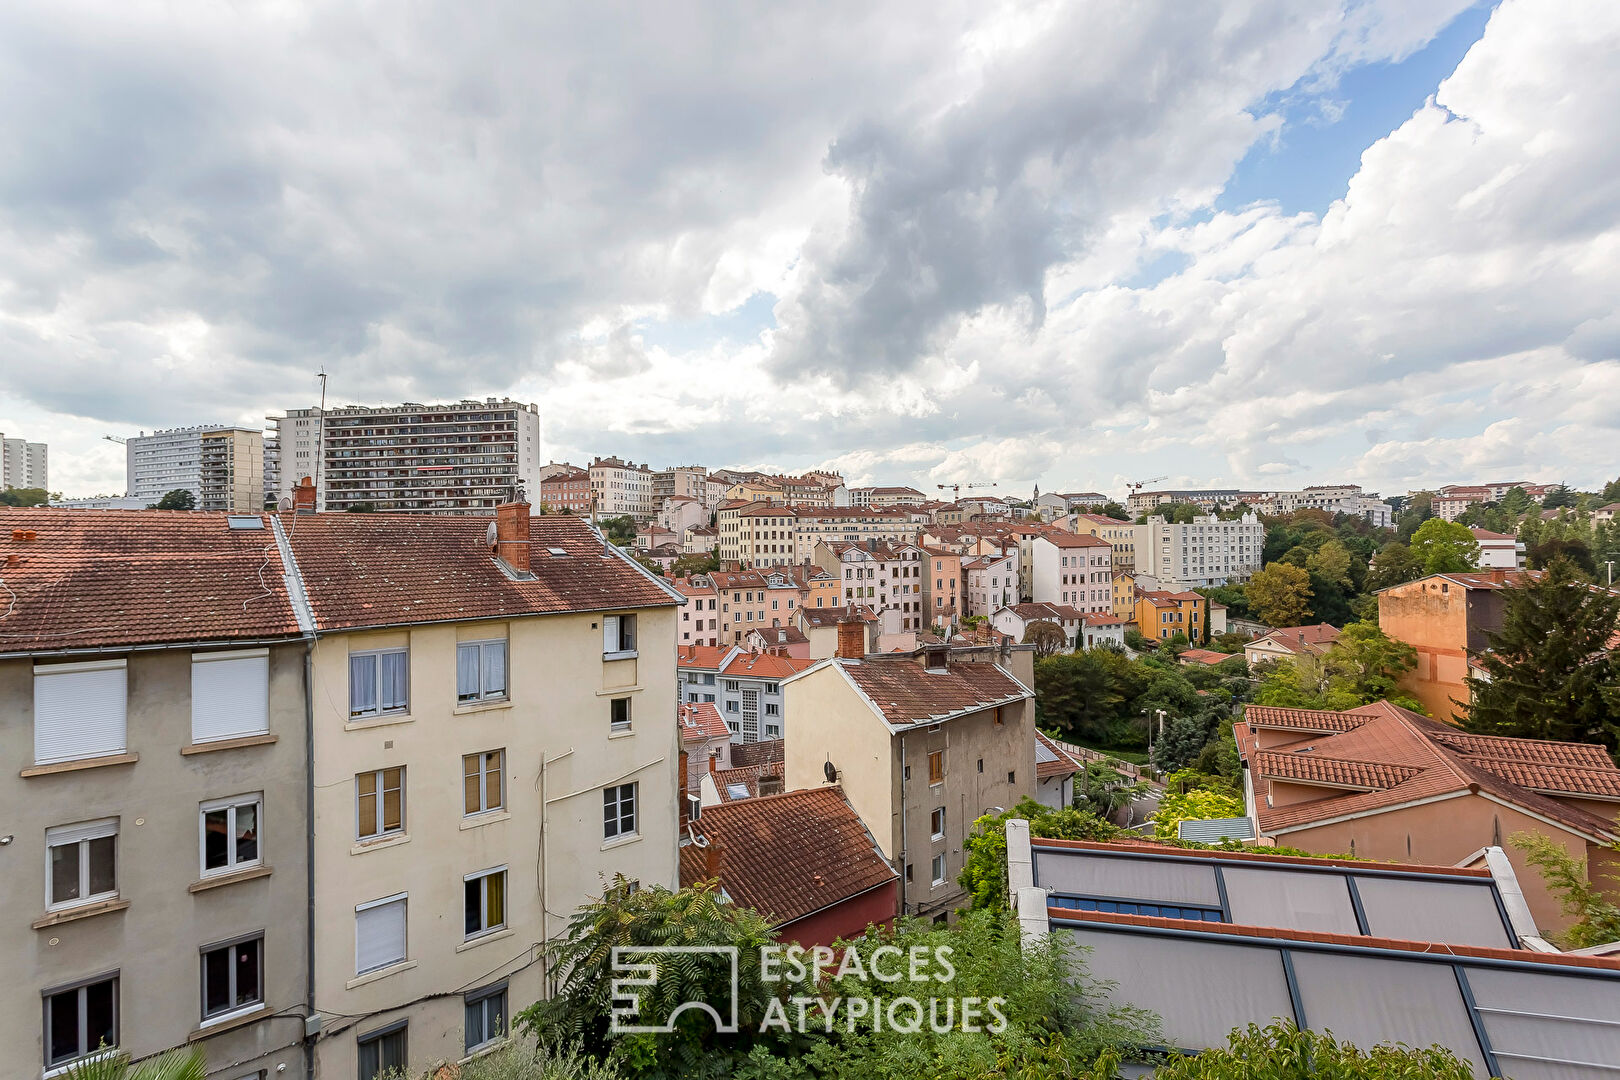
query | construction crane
(1138,485)
(117,439)
(956,489)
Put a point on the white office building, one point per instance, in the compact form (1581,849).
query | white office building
(1206,552)
(221,465)
(23,464)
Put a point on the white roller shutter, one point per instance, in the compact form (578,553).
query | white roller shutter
(78,711)
(230,695)
(379,934)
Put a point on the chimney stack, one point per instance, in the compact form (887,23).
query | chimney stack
(512,535)
(304,496)
(712,859)
(851,638)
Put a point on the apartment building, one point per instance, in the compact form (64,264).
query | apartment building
(566,488)
(297,438)
(1205,552)
(1074,569)
(1162,614)
(1122,536)
(272,471)
(700,615)
(622,489)
(684,481)
(24,464)
(881,497)
(1499,551)
(1210,499)
(850,525)
(222,467)
(922,743)
(492,742)
(943,588)
(745,685)
(766,535)
(992,582)
(880,576)
(152,710)
(678,513)
(1446,617)
(750,599)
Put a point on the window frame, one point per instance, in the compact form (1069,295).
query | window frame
(480,646)
(623,635)
(485,928)
(400,898)
(233,1010)
(379,798)
(261,718)
(230,806)
(79,989)
(479,999)
(618,800)
(615,725)
(941,873)
(377,708)
(481,757)
(399,1028)
(936,767)
(936,823)
(97,829)
(57,671)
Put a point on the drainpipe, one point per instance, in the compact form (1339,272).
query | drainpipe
(903,855)
(309,854)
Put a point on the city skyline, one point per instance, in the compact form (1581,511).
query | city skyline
(1368,245)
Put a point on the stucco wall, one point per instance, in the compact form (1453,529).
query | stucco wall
(1432,617)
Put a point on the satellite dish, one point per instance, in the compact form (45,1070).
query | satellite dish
(489,535)
(830,772)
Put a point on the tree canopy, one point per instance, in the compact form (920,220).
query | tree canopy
(15,496)
(1280,594)
(178,499)
(1047,637)
(1445,547)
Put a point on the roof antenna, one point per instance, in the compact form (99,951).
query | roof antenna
(320,436)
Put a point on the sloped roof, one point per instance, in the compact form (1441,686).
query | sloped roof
(1205,656)
(905,694)
(1049,612)
(748,776)
(1402,757)
(1315,638)
(1064,539)
(391,569)
(1099,618)
(1051,760)
(112,578)
(757,753)
(762,665)
(788,855)
(701,722)
(832,616)
(780,635)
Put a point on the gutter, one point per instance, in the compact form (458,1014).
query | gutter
(310,1015)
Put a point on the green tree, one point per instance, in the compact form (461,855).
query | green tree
(1199,804)
(1283,1052)
(1114,510)
(1549,671)
(620,530)
(1175,644)
(1047,637)
(178,499)
(363,508)
(1395,564)
(175,1065)
(1414,512)
(1280,594)
(1102,791)
(1611,492)
(1542,555)
(1331,562)
(984,863)
(1445,547)
(1559,496)
(702,563)
(1597,918)
(15,496)
(1517,502)
(1366,665)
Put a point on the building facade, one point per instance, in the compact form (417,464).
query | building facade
(744,685)
(222,467)
(297,437)
(1205,552)
(566,488)
(24,464)
(1075,569)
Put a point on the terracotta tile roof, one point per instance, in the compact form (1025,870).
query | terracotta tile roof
(780,635)
(110,578)
(764,665)
(703,657)
(832,616)
(1051,759)
(1050,612)
(701,722)
(757,753)
(393,569)
(737,579)
(1294,638)
(1063,539)
(1405,757)
(1098,618)
(907,694)
(1205,656)
(1486,534)
(748,776)
(788,855)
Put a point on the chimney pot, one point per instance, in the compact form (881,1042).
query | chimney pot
(512,535)
(304,496)
(712,860)
(851,638)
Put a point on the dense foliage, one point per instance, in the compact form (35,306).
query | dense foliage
(1283,1052)
(620,530)
(984,867)
(1280,594)
(1597,918)
(1195,804)
(1444,547)
(1549,671)
(15,496)
(178,499)
(1363,666)
(175,1065)
(1103,698)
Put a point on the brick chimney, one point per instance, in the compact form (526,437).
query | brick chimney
(512,535)
(304,496)
(713,859)
(851,639)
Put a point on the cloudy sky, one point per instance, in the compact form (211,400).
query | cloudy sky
(1255,242)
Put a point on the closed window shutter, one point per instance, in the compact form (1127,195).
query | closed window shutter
(78,711)
(379,936)
(230,695)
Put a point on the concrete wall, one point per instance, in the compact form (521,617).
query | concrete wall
(154,942)
(1431,616)
(557,711)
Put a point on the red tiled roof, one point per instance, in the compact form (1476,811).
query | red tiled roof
(1063,539)
(747,775)
(111,578)
(780,635)
(1486,534)
(701,722)
(392,569)
(1294,638)
(907,694)
(765,665)
(1058,613)
(1064,765)
(1322,720)
(705,657)
(832,616)
(1204,656)
(1313,768)
(788,855)
(1097,618)
(757,753)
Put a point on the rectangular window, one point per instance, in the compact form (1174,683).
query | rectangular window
(230,695)
(618,637)
(936,767)
(938,870)
(485,905)
(232,977)
(78,711)
(379,933)
(230,834)
(81,864)
(772,709)
(482,784)
(618,811)
(382,1052)
(619,714)
(731,706)
(378,682)
(485,1022)
(936,823)
(480,670)
(80,1020)
(379,802)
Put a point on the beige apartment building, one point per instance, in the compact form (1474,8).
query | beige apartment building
(851,525)
(622,489)
(922,744)
(152,710)
(1121,535)
(230,470)
(492,745)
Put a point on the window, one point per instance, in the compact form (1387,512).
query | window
(731,706)
(486,1017)
(485,905)
(773,688)
(80,1020)
(936,823)
(230,834)
(1012,776)
(78,711)
(379,803)
(482,786)
(379,933)
(618,811)
(378,682)
(382,1052)
(773,731)
(939,870)
(619,714)
(81,864)
(618,637)
(772,709)
(936,766)
(232,977)
(480,670)
(230,695)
